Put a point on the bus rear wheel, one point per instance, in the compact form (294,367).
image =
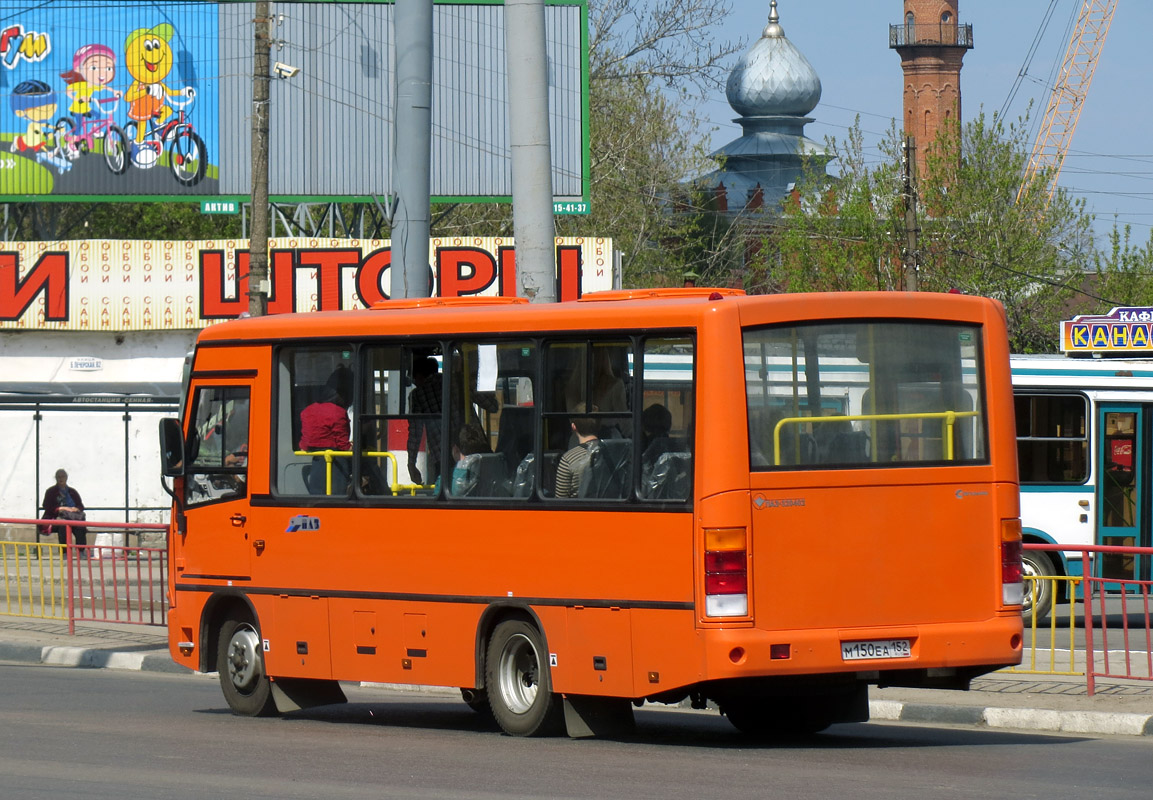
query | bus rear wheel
(518,683)
(240,660)
(1038,601)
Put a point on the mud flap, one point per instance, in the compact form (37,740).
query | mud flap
(293,694)
(586,716)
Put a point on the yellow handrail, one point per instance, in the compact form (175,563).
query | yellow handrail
(394,486)
(948,418)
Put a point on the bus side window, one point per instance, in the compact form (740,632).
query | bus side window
(1052,438)
(666,440)
(217,447)
(491,420)
(589,388)
(400,421)
(313,420)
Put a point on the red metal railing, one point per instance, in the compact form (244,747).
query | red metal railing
(91,582)
(1127,592)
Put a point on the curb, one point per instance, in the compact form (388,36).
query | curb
(152,660)
(1017,719)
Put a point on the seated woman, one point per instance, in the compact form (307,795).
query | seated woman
(324,425)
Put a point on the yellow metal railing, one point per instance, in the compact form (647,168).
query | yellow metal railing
(1029,662)
(35,580)
(394,485)
(948,421)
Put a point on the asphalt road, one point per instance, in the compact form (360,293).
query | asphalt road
(108,734)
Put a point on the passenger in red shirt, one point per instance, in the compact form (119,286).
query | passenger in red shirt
(324,426)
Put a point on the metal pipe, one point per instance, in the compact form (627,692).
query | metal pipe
(412,143)
(533,224)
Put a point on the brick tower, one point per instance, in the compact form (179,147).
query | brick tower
(931,44)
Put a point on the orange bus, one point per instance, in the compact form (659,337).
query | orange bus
(563,510)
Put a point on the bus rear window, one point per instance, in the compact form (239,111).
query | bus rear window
(864,394)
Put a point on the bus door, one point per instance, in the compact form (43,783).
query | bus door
(217,545)
(1122,515)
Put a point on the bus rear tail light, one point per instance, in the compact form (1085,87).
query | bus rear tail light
(726,572)
(1012,571)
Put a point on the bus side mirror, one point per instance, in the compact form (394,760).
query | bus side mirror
(171,448)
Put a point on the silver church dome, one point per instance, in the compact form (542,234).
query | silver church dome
(773,77)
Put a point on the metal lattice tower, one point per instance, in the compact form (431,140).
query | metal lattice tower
(1069,93)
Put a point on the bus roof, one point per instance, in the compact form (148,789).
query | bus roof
(602,311)
(1081,373)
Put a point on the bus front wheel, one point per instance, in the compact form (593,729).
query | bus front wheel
(1039,591)
(240,660)
(518,683)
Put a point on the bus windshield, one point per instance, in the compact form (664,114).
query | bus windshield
(864,394)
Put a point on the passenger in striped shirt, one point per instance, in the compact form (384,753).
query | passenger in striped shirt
(574,463)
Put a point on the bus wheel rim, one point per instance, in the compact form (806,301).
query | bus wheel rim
(243,659)
(519,671)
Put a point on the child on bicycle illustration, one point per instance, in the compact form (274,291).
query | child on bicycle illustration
(36,102)
(93,68)
(148,58)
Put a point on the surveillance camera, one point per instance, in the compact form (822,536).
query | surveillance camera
(283,70)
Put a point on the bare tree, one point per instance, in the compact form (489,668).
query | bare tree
(669,41)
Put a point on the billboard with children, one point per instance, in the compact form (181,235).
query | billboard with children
(108,99)
(153,100)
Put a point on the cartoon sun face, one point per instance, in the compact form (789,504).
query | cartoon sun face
(148,55)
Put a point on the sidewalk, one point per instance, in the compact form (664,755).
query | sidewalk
(1001,700)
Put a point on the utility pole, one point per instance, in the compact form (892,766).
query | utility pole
(911,254)
(532,216)
(258,239)
(412,154)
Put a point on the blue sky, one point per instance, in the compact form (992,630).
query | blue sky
(1110,162)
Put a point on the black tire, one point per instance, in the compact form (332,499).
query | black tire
(1039,592)
(240,660)
(116,150)
(187,157)
(518,682)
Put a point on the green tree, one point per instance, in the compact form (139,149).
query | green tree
(976,234)
(986,236)
(1124,271)
(114,220)
(838,233)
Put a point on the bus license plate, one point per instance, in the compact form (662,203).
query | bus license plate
(879,648)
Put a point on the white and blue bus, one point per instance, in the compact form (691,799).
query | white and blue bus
(1084,453)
